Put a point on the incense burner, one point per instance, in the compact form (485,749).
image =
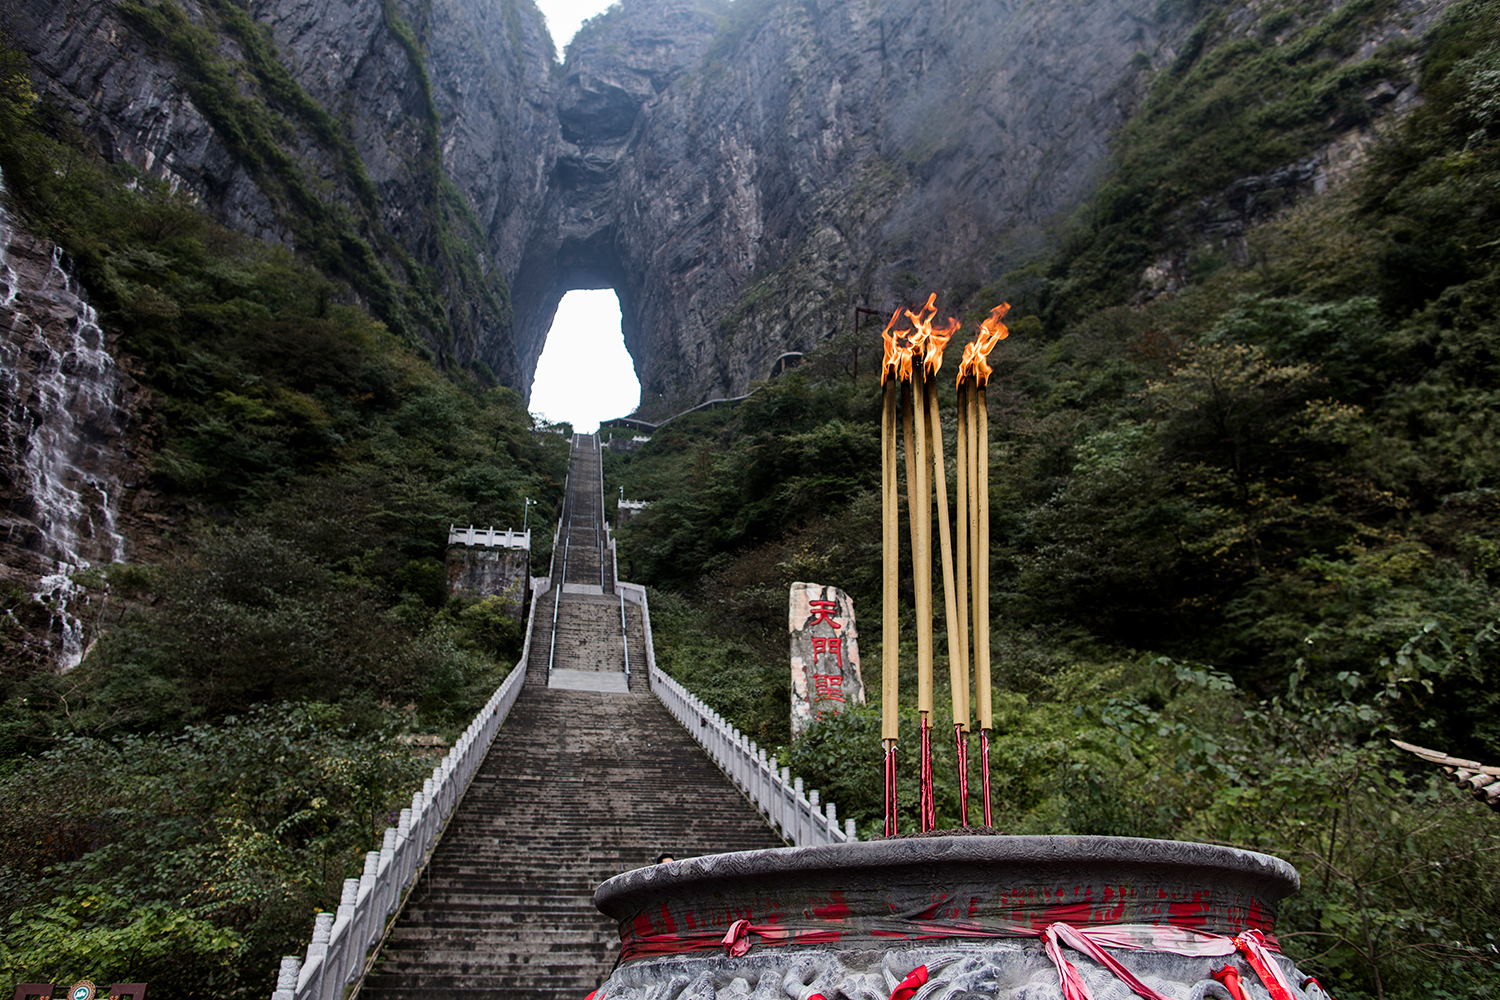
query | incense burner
(954,917)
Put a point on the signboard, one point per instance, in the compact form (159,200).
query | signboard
(825,654)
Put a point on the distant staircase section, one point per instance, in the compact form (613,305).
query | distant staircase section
(587,562)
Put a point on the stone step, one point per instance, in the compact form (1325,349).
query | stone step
(578,786)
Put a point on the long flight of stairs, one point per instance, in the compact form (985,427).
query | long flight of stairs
(579,785)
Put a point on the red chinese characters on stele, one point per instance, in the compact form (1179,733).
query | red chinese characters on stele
(825,654)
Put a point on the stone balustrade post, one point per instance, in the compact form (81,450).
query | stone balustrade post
(349,953)
(405,846)
(367,906)
(315,971)
(286,978)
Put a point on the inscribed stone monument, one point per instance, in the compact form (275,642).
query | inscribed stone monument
(825,654)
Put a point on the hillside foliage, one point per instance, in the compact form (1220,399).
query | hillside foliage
(178,806)
(1243,531)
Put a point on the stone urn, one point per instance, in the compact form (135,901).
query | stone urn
(1017,918)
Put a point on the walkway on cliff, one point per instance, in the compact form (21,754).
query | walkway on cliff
(587,778)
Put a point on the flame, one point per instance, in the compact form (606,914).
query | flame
(898,350)
(991,332)
(903,346)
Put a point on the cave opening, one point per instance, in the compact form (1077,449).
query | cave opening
(584,374)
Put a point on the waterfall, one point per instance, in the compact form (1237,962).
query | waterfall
(63,425)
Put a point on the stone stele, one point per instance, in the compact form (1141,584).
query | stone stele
(825,654)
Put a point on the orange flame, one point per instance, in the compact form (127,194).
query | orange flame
(898,351)
(991,332)
(903,346)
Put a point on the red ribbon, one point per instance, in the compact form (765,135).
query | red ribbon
(737,940)
(908,986)
(1230,977)
(1252,944)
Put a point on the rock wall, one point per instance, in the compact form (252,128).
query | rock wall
(64,456)
(480,572)
(743,175)
(751,179)
(464,84)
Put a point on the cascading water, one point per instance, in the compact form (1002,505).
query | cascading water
(63,424)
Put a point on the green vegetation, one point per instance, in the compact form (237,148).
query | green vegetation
(1241,534)
(178,805)
(262,125)
(1241,98)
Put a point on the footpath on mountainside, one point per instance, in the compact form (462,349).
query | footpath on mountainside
(588,777)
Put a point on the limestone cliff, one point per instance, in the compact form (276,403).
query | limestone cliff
(396,144)
(743,174)
(746,179)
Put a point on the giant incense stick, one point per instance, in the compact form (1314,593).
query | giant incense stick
(910,408)
(890,666)
(919,509)
(991,332)
(958,671)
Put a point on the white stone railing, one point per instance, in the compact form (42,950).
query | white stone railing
(340,952)
(489,537)
(778,795)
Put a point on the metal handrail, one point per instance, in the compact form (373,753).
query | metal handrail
(624,638)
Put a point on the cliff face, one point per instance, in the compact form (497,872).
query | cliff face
(417,131)
(747,180)
(742,175)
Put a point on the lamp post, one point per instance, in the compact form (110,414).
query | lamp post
(526,513)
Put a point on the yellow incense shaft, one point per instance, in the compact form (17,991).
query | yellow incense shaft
(890,636)
(921,557)
(982,562)
(961,577)
(957,668)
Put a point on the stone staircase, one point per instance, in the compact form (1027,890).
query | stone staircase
(579,785)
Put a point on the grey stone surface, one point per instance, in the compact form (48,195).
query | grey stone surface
(481,571)
(588,680)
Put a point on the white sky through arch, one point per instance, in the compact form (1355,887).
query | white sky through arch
(584,374)
(564,17)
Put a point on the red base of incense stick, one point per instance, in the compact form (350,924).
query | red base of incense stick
(984,767)
(890,788)
(929,811)
(963,772)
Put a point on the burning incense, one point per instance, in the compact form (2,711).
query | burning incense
(890,667)
(913,357)
(959,672)
(958,664)
(991,332)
